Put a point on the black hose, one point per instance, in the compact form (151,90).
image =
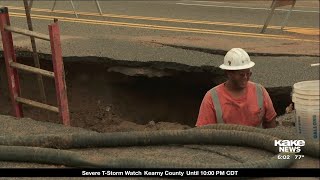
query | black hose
(238,137)
(72,159)
(191,136)
(312,148)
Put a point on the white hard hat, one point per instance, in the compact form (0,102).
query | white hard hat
(236,59)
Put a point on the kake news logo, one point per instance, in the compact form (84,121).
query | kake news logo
(289,146)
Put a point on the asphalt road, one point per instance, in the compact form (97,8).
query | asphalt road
(194,33)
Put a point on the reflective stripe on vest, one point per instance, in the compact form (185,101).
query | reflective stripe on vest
(217,105)
(259,94)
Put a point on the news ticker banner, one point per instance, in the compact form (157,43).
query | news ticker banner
(72,172)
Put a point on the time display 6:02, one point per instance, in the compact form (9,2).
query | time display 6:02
(283,156)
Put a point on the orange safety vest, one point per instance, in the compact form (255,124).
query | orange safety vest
(217,105)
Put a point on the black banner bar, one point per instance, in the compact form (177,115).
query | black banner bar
(71,172)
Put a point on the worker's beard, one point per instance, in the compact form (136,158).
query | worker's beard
(239,84)
(242,84)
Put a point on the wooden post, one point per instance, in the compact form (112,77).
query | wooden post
(61,90)
(35,53)
(9,56)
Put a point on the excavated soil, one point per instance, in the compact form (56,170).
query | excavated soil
(106,101)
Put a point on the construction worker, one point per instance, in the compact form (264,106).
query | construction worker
(238,100)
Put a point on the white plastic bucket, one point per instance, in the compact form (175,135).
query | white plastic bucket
(306,98)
